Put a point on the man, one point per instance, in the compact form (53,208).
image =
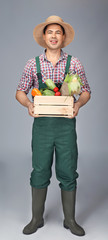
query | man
(53,133)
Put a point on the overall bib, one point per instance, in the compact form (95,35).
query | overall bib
(51,134)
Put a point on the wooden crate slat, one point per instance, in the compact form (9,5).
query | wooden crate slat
(54,100)
(53,115)
(53,110)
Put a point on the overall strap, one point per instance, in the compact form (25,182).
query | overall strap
(39,75)
(68,64)
(38,69)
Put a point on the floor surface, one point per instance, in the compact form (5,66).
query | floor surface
(91,204)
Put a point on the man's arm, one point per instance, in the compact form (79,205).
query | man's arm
(24,100)
(83,99)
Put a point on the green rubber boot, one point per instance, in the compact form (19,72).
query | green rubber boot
(68,202)
(38,202)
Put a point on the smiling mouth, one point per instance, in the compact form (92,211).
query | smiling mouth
(53,41)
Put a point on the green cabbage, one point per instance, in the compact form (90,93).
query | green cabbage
(48,92)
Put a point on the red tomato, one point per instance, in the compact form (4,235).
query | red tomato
(56,89)
(58,93)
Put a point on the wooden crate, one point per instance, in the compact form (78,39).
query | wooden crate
(53,106)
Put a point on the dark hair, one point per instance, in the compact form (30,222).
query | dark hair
(54,23)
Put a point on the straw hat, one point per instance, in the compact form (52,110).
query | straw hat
(38,31)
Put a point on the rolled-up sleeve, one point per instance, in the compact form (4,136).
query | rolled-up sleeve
(79,69)
(26,80)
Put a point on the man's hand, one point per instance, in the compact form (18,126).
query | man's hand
(23,99)
(83,99)
(75,110)
(31,110)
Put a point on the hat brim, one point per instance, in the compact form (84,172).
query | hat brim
(38,33)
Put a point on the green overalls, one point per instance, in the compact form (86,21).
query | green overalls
(51,134)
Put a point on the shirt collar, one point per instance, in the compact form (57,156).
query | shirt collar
(62,56)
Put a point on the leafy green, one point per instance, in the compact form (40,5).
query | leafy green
(74,88)
(74,83)
(48,92)
(42,89)
(69,77)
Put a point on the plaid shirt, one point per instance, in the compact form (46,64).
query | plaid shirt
(29,76)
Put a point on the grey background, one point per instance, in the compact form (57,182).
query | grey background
(90,21)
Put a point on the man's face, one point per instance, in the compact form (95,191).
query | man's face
(54,36)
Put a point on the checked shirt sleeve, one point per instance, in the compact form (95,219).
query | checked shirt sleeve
(26,80)
(79,69)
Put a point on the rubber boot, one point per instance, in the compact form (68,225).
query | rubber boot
(68,202)
(38,202)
